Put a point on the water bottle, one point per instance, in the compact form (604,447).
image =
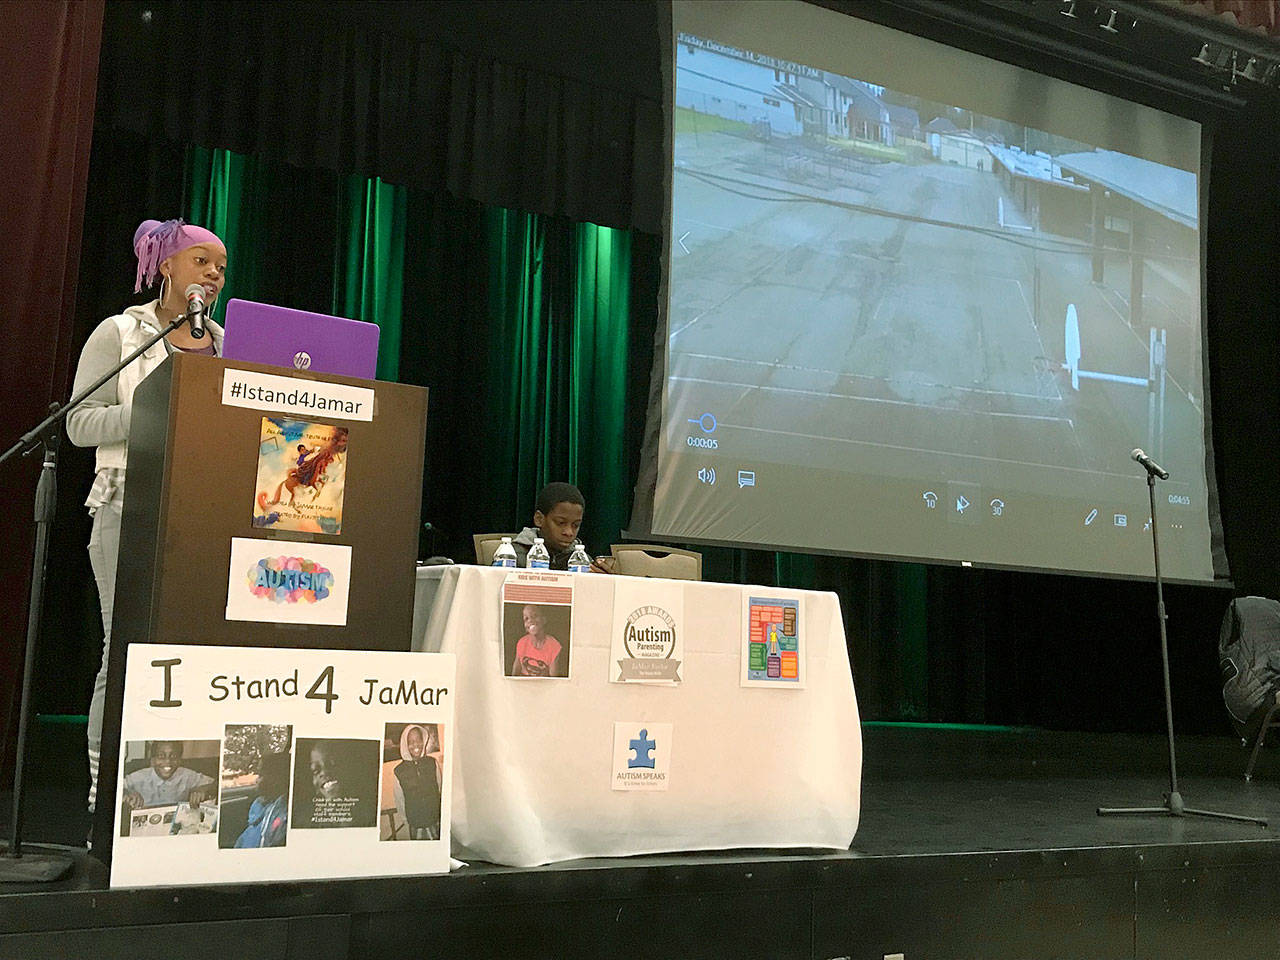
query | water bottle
(505,555)
(539,558)
(579,561)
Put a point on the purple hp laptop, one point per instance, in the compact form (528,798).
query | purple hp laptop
(261,333)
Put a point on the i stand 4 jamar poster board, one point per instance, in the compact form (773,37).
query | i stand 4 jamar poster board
(263,508)
(247,764)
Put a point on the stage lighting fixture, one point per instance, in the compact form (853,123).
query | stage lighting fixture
(1251,71)
(1216,57)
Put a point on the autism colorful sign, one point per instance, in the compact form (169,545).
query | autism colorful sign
(289,580)
(268,586)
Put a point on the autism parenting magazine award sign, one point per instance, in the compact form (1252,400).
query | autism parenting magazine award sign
(241,764)
(647,640)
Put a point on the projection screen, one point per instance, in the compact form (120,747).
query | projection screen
(924,304)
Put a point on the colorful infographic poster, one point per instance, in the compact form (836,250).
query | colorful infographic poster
(773,652)
(301,475)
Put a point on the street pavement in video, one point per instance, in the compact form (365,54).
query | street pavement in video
(792,315)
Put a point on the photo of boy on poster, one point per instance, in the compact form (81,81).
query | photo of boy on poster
(413,771)
(335,784)
(536,639)
(176,775)
(255,785)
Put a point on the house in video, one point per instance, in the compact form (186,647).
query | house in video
(840,93)
(949,144)
(774,97)
(869,118)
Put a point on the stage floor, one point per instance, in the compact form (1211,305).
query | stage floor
(974,842)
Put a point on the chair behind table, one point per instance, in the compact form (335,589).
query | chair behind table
(487,545)
(649,560)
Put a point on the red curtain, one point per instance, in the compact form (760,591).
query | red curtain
(48,81)
(1261,15)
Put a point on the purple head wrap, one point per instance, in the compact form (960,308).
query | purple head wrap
(154,242)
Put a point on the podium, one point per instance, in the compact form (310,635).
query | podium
(194,439)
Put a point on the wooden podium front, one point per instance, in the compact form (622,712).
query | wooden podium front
(190,490)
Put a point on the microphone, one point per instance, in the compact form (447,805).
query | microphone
(1152,467)
(195,310)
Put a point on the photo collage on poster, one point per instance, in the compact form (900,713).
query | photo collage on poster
(260,782)
(292,764)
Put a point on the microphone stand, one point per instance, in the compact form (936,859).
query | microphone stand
(1173,805)
(43,866)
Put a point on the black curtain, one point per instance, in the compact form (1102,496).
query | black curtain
(1244,340)
(448,344)
(379,90)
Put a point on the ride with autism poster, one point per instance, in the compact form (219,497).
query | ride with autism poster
(301,475)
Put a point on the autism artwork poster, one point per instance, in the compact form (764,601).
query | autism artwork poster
(772,652)
(301,475)
(270,581)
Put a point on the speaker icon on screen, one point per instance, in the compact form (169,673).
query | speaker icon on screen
(707,475)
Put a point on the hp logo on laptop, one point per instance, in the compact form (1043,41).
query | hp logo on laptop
(301,360)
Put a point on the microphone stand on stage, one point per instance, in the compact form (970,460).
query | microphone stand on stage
(1173,805)
(17,866)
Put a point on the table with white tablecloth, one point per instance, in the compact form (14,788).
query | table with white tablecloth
(749,767)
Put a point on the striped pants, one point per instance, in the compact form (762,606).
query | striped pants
(104,548)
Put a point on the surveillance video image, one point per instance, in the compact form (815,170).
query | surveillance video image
(900,327)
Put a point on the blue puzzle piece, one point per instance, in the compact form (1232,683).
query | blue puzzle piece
(643,748)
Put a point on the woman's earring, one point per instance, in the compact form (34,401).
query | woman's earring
(163,292)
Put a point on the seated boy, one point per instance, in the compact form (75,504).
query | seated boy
(166,780)
(557,515)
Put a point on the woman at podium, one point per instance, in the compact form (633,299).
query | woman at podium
(176,254)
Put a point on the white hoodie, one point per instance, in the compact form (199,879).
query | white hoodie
(102,421)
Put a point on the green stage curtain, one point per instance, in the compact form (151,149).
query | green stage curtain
(368,265)
(231,194)
(545,301)
(601,364)
(216,184)
(558,362)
